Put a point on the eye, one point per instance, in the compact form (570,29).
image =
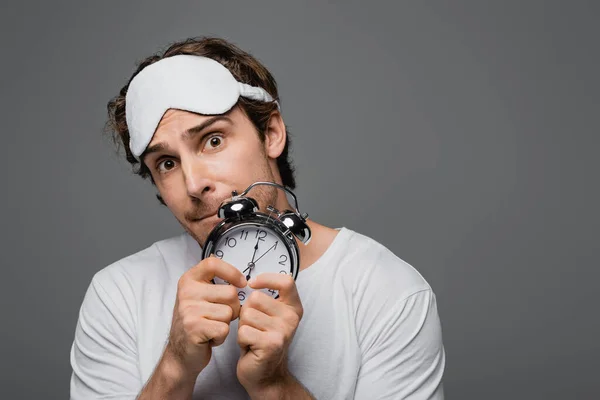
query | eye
(168,164)
(213,142)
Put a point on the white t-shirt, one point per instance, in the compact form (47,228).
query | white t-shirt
(370,328)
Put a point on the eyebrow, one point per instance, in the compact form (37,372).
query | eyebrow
(187,134)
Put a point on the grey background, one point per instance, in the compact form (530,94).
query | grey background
(462,135)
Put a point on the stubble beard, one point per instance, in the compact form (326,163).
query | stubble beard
(263,194)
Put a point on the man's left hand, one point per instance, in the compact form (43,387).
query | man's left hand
(265,331)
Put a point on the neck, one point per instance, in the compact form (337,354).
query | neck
(321,237)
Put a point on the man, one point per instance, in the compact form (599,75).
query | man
(202,119)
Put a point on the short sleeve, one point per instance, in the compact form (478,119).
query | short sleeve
(402,352)
(103,354)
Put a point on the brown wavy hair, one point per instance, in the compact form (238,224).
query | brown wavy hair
(244,67)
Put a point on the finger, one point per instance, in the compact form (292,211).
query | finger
(221,294)
(212,267)
(282,316)
(252,339)
(225,294)
(215,312)
(265,303)
(195,291)
(282,282)
(249,336)
(256,319)
(215,332)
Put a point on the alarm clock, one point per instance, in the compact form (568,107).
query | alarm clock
(257,242)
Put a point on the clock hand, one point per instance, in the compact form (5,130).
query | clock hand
(255,248)
(250,267)
(251,263)
(265,253)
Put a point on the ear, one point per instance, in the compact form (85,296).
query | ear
(275,135)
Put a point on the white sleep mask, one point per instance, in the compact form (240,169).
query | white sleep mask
(185,82)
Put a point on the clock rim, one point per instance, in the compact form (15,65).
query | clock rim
(257,218)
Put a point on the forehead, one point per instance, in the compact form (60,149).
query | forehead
(174,122)
(174,118)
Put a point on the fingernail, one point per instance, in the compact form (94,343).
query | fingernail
(251,281)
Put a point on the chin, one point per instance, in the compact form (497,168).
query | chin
(202,228)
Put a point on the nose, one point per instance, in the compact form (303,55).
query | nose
(199,181)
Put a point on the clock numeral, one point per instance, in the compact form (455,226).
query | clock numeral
(260,234)
(231,242)
(272,291)
(219,253)
(241,295)
(227,282)
(244,235)
(282,262)
(283,271)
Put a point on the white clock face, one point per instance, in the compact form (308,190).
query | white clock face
(253,249)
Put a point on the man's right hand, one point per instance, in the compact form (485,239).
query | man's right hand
(202,313)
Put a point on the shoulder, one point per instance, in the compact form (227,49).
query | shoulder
(369,266)
(162,260)
(390,297)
